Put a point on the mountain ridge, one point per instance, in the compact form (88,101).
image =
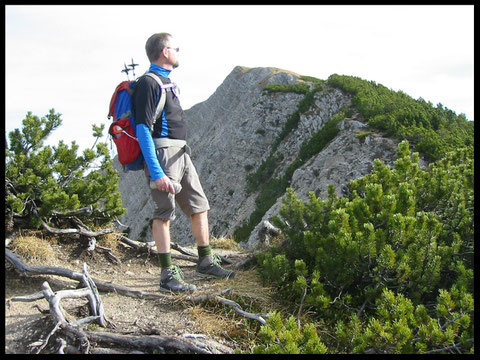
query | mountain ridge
(232,133)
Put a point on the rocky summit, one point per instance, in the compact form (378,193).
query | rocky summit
(233,132)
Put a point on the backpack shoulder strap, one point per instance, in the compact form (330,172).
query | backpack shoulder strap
(163,97)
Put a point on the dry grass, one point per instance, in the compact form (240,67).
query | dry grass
(210,322)
(110,240)
(217,319)
(226,243)
(34,249)
(248,286)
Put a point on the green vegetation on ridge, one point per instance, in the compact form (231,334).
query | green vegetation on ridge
(433,131)
(388,269)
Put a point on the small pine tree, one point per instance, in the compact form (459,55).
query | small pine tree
(280,336)
(405,236)
(40,179)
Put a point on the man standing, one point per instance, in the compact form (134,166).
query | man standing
(169,169)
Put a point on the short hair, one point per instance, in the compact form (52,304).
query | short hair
(155,44)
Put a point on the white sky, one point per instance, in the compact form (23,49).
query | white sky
(70,57)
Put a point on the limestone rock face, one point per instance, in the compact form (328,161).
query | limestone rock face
(232,132)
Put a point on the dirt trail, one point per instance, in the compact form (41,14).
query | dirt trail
(29,322)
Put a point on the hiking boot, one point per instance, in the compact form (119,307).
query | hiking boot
(172,279)
(210,266)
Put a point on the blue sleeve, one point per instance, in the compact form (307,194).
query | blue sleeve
(148,150)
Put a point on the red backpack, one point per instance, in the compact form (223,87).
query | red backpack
(122,129)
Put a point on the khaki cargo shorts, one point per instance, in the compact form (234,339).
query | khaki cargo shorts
(178,166)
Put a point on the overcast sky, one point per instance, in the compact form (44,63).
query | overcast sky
(70,57)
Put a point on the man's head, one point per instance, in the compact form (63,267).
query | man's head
(162,50)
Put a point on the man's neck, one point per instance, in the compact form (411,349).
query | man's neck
(164,65)
(159,70)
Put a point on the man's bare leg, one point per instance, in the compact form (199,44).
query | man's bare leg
(200,228)
(161,235)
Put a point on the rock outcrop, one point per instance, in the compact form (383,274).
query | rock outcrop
(232,132)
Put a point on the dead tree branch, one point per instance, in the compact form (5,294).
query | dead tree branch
(122,290)
(101,285)
(85,210)
(238,309)
(83,232)
(148,247)
(57,314)
(147,343)
(182,250)
(300,307)
(94,297)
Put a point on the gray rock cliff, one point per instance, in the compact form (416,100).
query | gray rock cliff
(232,132)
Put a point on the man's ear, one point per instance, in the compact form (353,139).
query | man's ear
(164,52)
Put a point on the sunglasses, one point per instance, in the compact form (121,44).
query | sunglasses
(176,49)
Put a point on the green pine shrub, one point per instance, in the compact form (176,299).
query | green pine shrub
(400,327)
(40,179)
(433,130)
(279,336)
(390,266)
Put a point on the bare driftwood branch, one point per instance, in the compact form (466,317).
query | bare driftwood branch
(119,224)
(238,309)
(85,210)
(28,298)
(123,290)
(147,343)
(200,340)
(135,244)
(62,294)
(181,250)
(76,231)
(102,286)
(250,260)
(40,270)
(60,322)
(94,297)
(300,307)
(57,314)
(84,230)
(63,345)
(109,351)
(108,251)
(148,247)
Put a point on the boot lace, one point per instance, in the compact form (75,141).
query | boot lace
(178,274)
(217,260)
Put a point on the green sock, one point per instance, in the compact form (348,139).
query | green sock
(165,260)
(204,251)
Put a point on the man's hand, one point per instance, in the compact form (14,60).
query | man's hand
(164,184)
